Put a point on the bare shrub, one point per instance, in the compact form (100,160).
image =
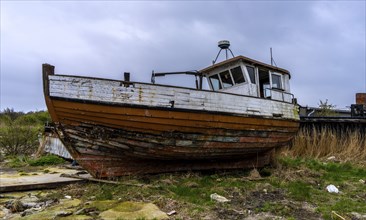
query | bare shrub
(326,109)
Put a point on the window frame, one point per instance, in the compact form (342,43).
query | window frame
(255,73)
(231,77)
(242,72)
(220,83)
(228,68)
(281,81)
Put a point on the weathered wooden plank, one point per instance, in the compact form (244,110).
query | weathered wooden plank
(127,124)
(181,148)
(101,168)
(92,116)
(151,95)
(204,116)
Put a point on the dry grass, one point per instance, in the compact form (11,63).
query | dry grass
(314,143)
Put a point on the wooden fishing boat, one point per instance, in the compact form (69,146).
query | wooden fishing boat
(114,127)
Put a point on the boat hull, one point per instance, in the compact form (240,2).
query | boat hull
(115,128)
(105,167)
(115,140)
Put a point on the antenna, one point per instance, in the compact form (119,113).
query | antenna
(224,45)
(272,60)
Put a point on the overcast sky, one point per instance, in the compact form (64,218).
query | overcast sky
(322,43)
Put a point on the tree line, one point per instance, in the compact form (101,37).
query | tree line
(19,131)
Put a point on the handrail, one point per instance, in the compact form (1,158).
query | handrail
(193,72)
(282,94)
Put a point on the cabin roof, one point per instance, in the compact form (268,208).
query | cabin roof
(246,60)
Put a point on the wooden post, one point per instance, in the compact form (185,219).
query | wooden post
(41,147)
(47,70)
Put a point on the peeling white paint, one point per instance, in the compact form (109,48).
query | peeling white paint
(151,95)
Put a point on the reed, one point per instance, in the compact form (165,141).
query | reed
(348,145)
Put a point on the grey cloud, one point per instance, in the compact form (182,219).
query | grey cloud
(321,43)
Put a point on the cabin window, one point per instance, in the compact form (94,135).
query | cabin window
(237,74)
(226,79)
(215,82)
(264,84)
(276,81)
(251,73)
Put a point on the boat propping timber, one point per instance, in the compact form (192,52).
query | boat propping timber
(115,128)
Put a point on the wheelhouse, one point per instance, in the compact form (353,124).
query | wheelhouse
(245,76)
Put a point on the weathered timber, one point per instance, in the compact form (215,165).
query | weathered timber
(95,180)
(141,94)
(34,182)
(177,145)
(103,167)
(115,128)
(339,124)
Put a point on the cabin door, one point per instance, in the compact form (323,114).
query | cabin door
(264,83)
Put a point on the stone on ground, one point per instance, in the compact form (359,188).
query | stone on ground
(134,210)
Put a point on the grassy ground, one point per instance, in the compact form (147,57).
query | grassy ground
(294,189)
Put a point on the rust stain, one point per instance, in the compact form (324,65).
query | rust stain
(140,94)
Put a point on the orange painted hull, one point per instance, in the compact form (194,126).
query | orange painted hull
(165,140)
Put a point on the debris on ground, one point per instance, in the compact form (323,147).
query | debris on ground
(218,198)
(254,175)
(332,189)
(294,191)
(173,212)
(335,215)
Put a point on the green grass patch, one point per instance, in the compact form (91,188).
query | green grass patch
(342,206)
(299,190)
(46,171)
(46,160)
(331,171)
(275,208)
(102,205)
(311,188)
(290,162)
(23,161)
(195,189)
(105,192)
(343,172)
(199,196)
(18,161)
(22,173)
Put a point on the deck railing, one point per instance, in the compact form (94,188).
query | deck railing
(279,95)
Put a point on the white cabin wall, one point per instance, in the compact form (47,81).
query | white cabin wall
(286,79)
(281,96)
(242,89)
(253,90)
(275,95)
